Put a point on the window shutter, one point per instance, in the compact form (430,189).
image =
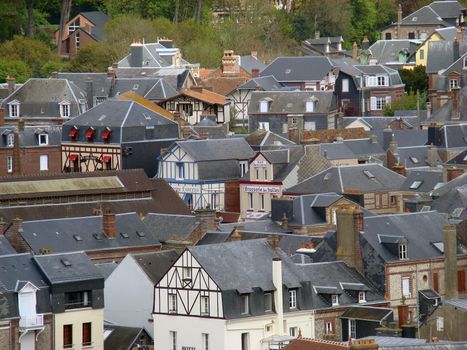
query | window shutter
(461,281)
(388,100)
(373,103)
(436,281)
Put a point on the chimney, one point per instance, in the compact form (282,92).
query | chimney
(354,50)
(14,236)
(255,73)
(373,138)
(387,137)
(393,146)
(2,116)
(3,226)
(108,223)
(349,225)
(432,156)
(399,168)
(197,89)
(317,35)
(207,220)
(455,49)
(230,63)
(434,135)
(89,92)
(450,261)
(111,72)
(365,43)
(254,54)
(136,54)
(11,82)
(285,222)
(399,21)
(453,172)
(455,101)
(278,298)
(21,124)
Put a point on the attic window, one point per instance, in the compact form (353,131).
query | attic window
(414,160)
(77,238)
(64,109)
(98,236)
(124,235)
(402,251)
(416,184)
(334,300)
(141,234)
(361,297)
(310,106)
(43,139)
(10,140)
(327,176)
(263,106)
(13,108)
(66,262)
(102,117)
(368,174)
(146,116)
(456,213)
(425,208)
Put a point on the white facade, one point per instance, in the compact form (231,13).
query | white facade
(239,101)
(128,296)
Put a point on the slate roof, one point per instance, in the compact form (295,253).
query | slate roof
(156,264)
(457,303)
(448,33)
(415,157)
(362,177)
(299,69)
(155,89)
(451,196)
(86,234)
(101,82)
(447,9)
(107,268)
(40,98)
(99,19)
(150,59)
(265,83)
(265,139)
(429,181)
(176,77)
(425,15)
(459,160)
(248,63)
(218,149)
(387,51)
(361,149)
(122,338)
(165,226)
(63,268)
(370,70)
(455,135)
(5,246)
(381,122)
(441,54)
(404,138)
(292,102)
(28,137)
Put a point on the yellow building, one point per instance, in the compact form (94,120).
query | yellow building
(421,56)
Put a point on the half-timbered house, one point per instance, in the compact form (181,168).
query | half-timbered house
(212,298)
(117,134)
(194,103)
(198,169)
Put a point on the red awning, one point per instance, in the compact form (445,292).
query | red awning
(73,132)
(89,133)
(106,159)
(106,134)
(73,156)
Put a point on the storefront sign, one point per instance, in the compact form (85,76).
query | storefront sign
(263,189)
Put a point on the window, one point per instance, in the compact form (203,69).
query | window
(67,336)
(261,201)
(293,331)
(310,106)
(285,128)
(205,341)
(265,173)
(267,301)
(381,81)
(293,299)
(187,273)
(353,329)
(214,202)
(77,40)
(43,139)
(264,125)
(244,304)
(76,300)
(257,174)
(388,36)
(440,324)
(421,54)
(411,35)
(10,140)
(334,300)
(250,201)
(328,329)
(64,109)
(243,167)
(87,334)
(172,303)
(173,340)
(205,306)
(43,162)
(453,84)
(263,106)
(245,341)
(378,103)
(416,184)
(14,109)
(9,164)
(310,126)
(402,251)
(73,26)
(345,85)
(361,297)
(180,171)
(406,287)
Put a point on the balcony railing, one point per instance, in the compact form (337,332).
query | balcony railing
(32,321)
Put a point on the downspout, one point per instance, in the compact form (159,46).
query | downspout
(278,295)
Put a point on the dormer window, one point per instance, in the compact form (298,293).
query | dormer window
(10,140)
(361,297)
(245,305)
(90,133)
(106,134)
(453,84)
(339,46)
(264,105)
(43,139)
(381,81)
(13,108)
(334,300)
(310,106)
(73,132)
(64,109)
(403,251)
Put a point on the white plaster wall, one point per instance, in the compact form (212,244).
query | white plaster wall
(128,296)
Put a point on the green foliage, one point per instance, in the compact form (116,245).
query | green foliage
(414,79)
(16,68)
(408,102)
(93,58)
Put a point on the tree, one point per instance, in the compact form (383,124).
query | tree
(64,17)
(30,5)
(406,102)
(15,68)
(414,79)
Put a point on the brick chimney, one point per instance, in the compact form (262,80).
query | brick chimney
(453,172)
(21,124)
(354,50)
(136,54)
(455,102)
(109,224)
(3,226)
(11,82)
(207,220)
(450,261)
(373,138)
(230,63)
(14,236)
(349,225)
(285,222)
(399,168)
(255,73)
(432,156)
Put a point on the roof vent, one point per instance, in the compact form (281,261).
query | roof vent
(140,234)
(124,235)
(66,262)
(77,238)
(368,174)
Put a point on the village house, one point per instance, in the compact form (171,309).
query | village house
(324,46)
(198,170)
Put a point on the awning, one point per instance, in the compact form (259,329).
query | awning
(73,156)
(106,159)
(89,133)
(106,134)
(73,132)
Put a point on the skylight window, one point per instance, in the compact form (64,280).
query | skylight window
(327,176)
(456,213)
(140,234)
(414,160)
(102,117)
(66,262)
(124,235)
(425,208)
(414,19)
(77,238)
(368,174)
(288,70)
(416,184)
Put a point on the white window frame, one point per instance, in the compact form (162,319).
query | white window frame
(204,305)
(377,103)
(10,140)
(263,106)
(381,80)
(44,142)
(292,299)
(453,83)
(328,329)
(245,306)
(205,341)
(263,125)
(64,107)
(362,297)
(250,201)
(293,331)
(14,109)
(345,85)
(173,340)
(352,329)
(43,162)
(9,164)
(310,106)
(172,307)
(406,287)
(403,251)
(334,299)
(243,168)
